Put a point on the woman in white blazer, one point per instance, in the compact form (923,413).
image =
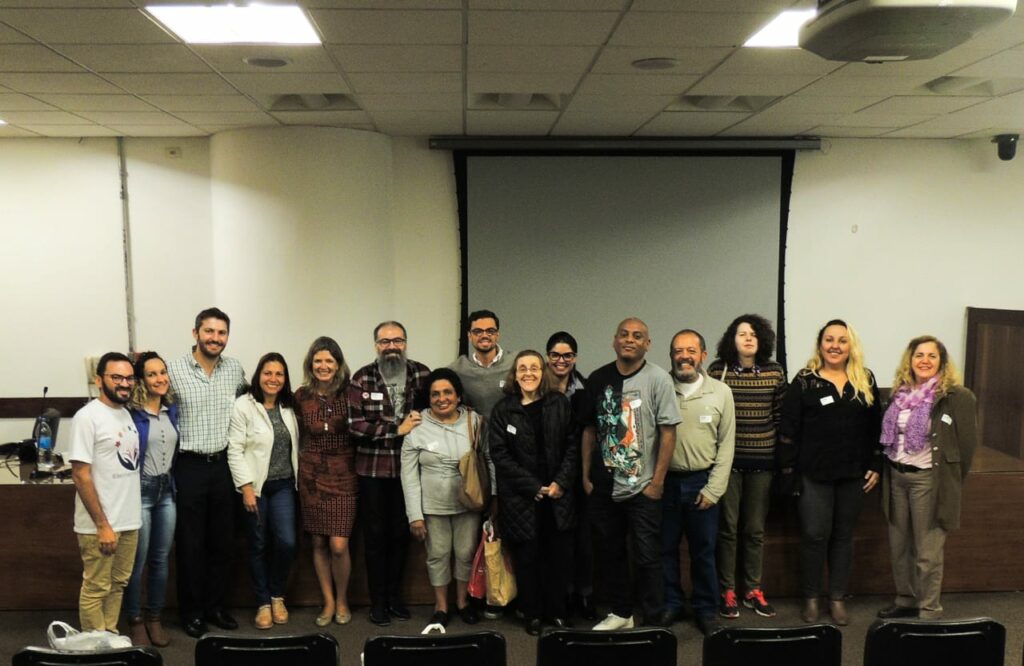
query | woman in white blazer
(263,449)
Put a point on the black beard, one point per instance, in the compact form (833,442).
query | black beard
(114,397)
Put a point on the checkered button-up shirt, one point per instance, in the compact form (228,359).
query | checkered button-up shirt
(372,421)
(205,402)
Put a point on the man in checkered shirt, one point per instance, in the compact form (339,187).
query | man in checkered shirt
(384,400)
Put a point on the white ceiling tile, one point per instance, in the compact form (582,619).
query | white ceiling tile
(917,104)
(636,84)
(405,82)
(329,118)
(382,4)
(131,58)
(175,103)
(833,104)
(33,58)
(715,5)
(494,82)
(677,123)
(641,105)
(686,29)
(402,123)
(57,83)
(111,118)
(540,28)
(71,4)
(389,26)
(288,84)
(229,58)
(843,131)
(248,118)
(1008,34)
(411,102)
(12,132)
(86,26)
(71,130)
(11,36)
(770,126)
(510,123)
(921,132)
(852,86)
(159,130)
(16,102)
(881,119)
(44,118)
(489,58)
(404,58)
(619,59)
(551,5)
(598,124)
(772,62)
(1007,63)
(750,84)
(96,102)
(172,84)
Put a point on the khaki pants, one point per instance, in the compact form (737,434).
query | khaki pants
(916,542)
(744,509)
(104,578)
(453,535)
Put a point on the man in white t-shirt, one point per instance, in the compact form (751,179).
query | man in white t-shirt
(104,455)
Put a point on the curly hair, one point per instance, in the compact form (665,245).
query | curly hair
(140,393)
(948,375)
(859,376)
(763,331)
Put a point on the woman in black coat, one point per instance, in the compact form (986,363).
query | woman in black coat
(533,444)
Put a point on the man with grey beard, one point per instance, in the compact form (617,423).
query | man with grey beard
(384,400)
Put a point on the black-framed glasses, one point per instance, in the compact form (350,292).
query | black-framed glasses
(121,379)
(567,356)
(481,331)
(384,342)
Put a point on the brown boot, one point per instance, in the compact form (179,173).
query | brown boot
(837,609)
(157,635)
(264,619)
(137,631)
(810,612)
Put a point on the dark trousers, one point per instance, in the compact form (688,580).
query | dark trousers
(204,537)
(542,567)
(701,528)
(637,519)
(581,579)
(828,514)
(386,533)
(271,534)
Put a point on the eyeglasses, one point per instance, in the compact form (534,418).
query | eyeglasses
(480,331)
(384,342)
(121,379)
(567,356)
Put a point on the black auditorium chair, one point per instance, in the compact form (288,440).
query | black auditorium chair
(133,656)
(971,642)
(810,645)
(646,647)
(307,650)
(482,648)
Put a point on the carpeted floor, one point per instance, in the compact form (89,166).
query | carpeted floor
(21,628)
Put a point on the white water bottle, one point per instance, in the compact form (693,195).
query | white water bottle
(44,446)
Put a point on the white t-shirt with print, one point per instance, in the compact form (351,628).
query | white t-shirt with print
(106,438)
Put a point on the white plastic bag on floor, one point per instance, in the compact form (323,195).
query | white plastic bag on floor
(73,640)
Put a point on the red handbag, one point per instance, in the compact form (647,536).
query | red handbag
(477,586)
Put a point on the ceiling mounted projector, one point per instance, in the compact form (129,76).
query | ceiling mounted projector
(895,30)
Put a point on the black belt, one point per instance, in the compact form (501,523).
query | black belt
(205,457)
(906,469)
(689,473)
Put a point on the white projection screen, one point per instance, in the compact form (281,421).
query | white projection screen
(578,243)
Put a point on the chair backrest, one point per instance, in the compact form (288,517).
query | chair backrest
(976,641)
(483,648)
(133,656)
(308,650)
(650,647)
(810,645)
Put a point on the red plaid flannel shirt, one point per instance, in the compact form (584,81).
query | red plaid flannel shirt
(371,418)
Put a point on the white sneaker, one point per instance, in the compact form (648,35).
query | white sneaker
(613,622)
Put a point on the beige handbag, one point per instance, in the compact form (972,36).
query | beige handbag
(476,481)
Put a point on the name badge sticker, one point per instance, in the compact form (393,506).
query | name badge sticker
(376,396)
(511,428)
(432,447)
(705,418)
(947,419)
(635,403)
(827,400)
(501,384)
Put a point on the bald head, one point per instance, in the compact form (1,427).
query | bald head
(631,341)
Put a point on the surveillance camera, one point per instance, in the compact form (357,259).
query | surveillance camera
(1006,145)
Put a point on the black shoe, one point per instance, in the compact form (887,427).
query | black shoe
(667,617)
(440,617)
(533,626)
(469,614)
(560,623)
(708,624)
(379,616)
(585,607)
(195,627)
(895,611)
(222,620)
(399,611)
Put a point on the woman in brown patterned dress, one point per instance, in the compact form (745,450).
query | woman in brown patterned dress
(327,478)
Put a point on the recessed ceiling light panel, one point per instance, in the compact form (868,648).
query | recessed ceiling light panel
(230,24)
(783,30)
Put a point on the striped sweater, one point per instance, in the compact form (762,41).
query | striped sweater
(758,394)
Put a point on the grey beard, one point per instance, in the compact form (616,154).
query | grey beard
(391,364)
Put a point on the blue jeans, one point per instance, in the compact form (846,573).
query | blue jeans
(159,515)
(273,521)
(701,528)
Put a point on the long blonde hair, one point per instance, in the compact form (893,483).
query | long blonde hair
(948,375)
(856,373)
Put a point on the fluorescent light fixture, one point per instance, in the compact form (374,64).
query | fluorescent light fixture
(231,24)
(2,121)
(783,30)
